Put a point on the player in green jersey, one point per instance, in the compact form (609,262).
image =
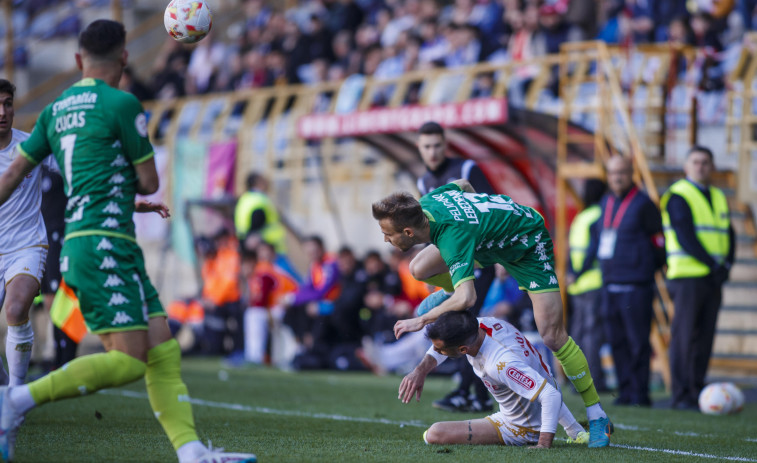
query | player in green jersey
(98,136)
(468,228)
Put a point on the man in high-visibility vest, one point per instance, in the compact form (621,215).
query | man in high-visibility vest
(699,241)
(256,213)
(585,293)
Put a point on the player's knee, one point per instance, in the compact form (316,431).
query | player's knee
(17,312)
(436,434)
(554,337)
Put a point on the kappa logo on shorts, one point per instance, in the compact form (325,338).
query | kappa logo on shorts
(113,280)
(520,378)
(110,222)
(533,285)
(552,280)
(547,267)
(118,299)
(104,245)
(121,318)
(108,263)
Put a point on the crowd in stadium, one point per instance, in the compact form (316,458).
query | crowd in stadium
(323,41)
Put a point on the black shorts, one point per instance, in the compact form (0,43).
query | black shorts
(51,278)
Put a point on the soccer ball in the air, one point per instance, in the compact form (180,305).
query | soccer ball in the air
(721,399)
(187,21)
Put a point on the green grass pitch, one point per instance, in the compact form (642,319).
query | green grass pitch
(347,417)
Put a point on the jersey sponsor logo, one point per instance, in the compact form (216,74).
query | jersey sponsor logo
(121,318)
(70,121)
(104,245)
(451,208)
(552,280)
(457,266)
(140,123)
(118,299)
(520,378)
(112,208)
(77,201)
(465,205)
(108,263)
(120,161)
(115,192)
(76,216)
(117,179)
(110,222)
(113,280)
(87,99)
(533,285)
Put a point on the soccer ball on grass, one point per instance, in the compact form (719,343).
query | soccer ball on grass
(721,399)
(187,21)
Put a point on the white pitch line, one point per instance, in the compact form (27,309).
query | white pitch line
(272,411)
(683,452)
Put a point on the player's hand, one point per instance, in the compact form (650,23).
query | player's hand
(407,326)
(412,384)
(545,440)
(142,205)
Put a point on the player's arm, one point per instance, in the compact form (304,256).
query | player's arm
(13,176)
(462,299)
(551,404)
(147,177)
(412,384)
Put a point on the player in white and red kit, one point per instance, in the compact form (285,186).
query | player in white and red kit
(23,247)
(529,398)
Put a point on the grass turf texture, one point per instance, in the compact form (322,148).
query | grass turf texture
(347,417)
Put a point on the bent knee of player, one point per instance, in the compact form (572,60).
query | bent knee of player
(438,434)
(17,312)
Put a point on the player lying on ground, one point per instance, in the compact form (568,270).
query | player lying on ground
(529,398)
(466,228)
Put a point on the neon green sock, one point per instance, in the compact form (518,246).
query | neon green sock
(442,280)
(87,374)
(576,368)
(168,394)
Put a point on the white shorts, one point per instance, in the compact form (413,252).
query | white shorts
(513,434)
(27,261)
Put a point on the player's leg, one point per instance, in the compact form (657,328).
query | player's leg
(20,293)
(428,266)
(475,432)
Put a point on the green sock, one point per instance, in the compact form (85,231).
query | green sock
(576,368)
(168,394)
(442,280)
(87,374)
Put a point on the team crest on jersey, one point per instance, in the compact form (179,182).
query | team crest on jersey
(497,326)
(520,378)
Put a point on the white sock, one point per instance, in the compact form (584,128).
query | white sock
(190,451)
(595,412)
(21,398)
(18,351)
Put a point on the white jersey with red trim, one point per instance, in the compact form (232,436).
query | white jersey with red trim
(22,225)
(513,371)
